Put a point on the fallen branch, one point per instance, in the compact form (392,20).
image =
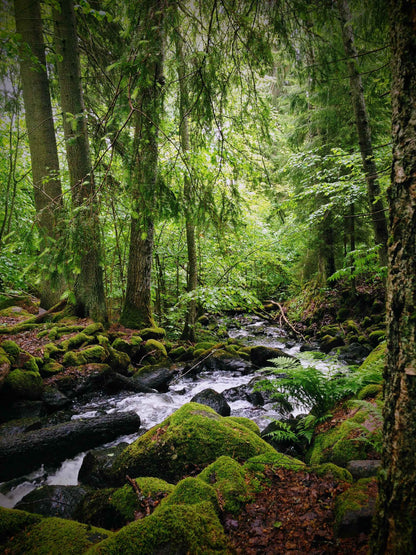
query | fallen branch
(283,315)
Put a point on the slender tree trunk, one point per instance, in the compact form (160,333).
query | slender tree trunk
(326,255)
(192,277)
(396,520)
(137,309)
(41,132)
(364,133)
(89,287)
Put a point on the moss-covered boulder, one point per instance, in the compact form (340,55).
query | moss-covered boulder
(23,384)
(191,438)
(92,354)
(191,491)
(329,469)
(230,481)
(11,349)
(376,359)
(50,369)
(152,333)
(172,529)
(132,347)
(5,366)
(155,348)
(26,533)
(274,459)
(94,328)
(354,438)
(354,509)
(155,376)
(79,340)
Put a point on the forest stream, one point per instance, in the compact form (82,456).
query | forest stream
(155,407)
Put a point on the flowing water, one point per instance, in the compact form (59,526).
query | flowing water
(155,407)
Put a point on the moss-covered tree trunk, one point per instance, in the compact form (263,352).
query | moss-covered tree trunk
(89,287)
(189,200)
(396,519)
(137,309)
(41,133)
(362,122)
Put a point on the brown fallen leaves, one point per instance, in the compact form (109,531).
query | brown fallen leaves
(292,515)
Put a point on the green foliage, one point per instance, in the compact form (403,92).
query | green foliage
(358,263)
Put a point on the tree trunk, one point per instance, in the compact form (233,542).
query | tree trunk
(41,132)
(364,133)
(137,309)
(192,277)
(89,287)
(396,519)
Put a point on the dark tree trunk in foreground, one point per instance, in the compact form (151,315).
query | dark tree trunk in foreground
(41,132)
(364,133)
(191,313)
(137,309)
(89,287)
(396,520)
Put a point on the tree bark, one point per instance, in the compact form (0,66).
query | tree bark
(192,278)
(89,287)
(396,519)
(378,217)
(41,132)
(137,309)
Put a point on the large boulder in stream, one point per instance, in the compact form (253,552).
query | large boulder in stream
(191,438)
(157,376)
(261,356)
(61,501)
(211,398)
(25,452)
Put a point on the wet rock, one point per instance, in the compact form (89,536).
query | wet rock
(260,356)
(117,382)
(54,400)
(222,360)
(355,508)
(246,392)
(354,353)
(306,347)
(212,399)
(60,501)
(364,468)
(156,377)
(21,409)
(54,444)
(96,465)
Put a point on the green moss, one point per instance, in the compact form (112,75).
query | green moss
(376,359)
(191,491)
(13,521)
(340,444)
(152,333)
(229,480)
(154,345)
(369,391)
(353,499)
(192,437)
(28,362)
(276,460)
(172,529)
(55,536)
(23,384)
(79,340)
(118,360)
(51,368)
(246,422)
(125,499)
(204,345)
(51,350)
(377,336)
(93,329)
(177,352)
(95,353)
(329,469)
(12,350)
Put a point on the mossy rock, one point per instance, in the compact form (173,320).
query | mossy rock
(177,353)
(376,359)
(92,354)
(191,491)
(13,521)
(328,342)
(370,391)
(45,536)
(23,384)
(126,501)
(274,459)
(191,438)
(204,345)
(355,507)
(154,345)
(367,322)
(28,362)
(12,350)
(376,337)
(249,424)
(14,311)
(132,348)
(50,369)
(230,481)
(51,351)
(118,360)
(79,340)
(5,366)
(94,329)
(330,469)
(152,333)
(343,314)
(352,326)
(172,529)
(349,440)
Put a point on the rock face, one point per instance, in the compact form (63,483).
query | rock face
(212,399)
(260,356)
(191,438)
(26,452)
(355,508)
(61,501)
